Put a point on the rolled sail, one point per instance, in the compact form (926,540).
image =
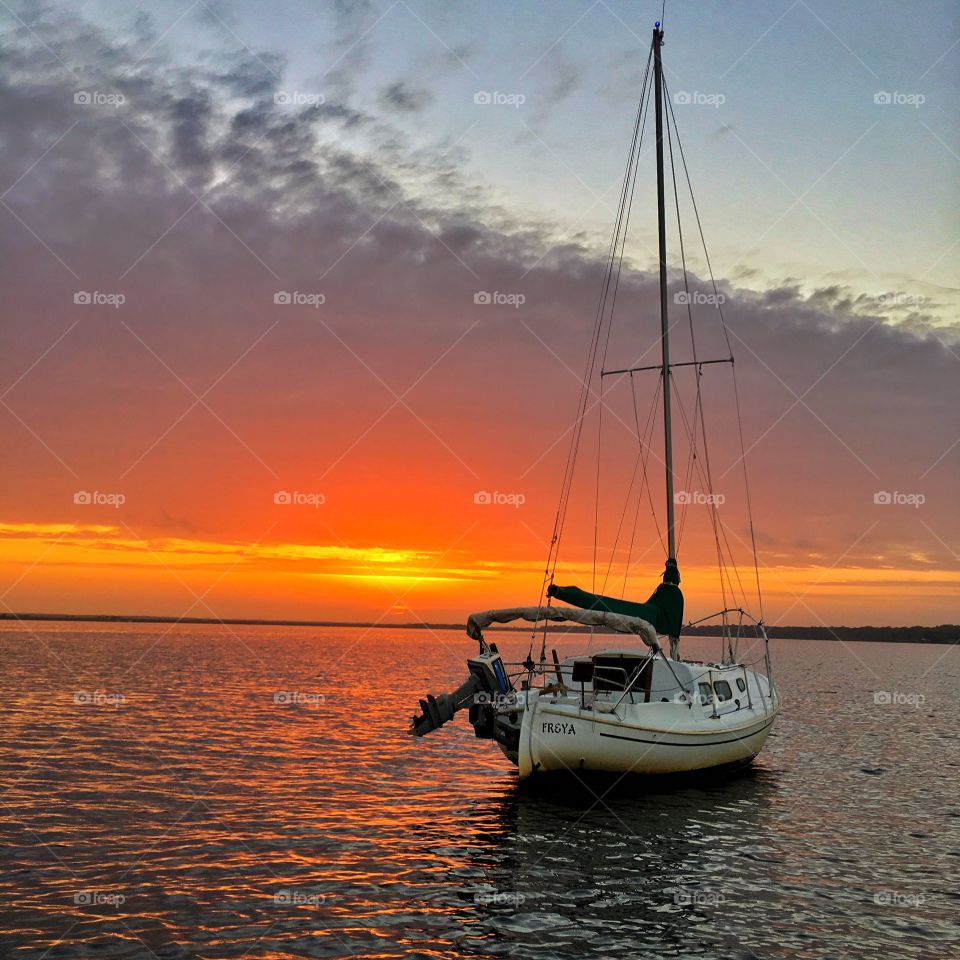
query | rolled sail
(618,622)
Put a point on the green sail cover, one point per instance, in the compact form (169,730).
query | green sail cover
(664,609)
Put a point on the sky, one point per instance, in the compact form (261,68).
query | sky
(247,368)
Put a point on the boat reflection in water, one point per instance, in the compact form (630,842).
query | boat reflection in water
(568,868)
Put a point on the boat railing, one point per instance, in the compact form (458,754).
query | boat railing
(770,700)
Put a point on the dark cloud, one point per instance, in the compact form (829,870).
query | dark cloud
(401,96)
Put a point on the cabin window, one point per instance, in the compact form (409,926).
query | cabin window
(615,672)
(741,686)
(706,693)
(723,690)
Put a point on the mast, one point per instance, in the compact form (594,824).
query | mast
(664,320)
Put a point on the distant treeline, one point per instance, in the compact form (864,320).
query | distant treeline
(945,633)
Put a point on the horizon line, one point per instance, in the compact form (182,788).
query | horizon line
(9,616)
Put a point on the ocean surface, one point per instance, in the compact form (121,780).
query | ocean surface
(251,792)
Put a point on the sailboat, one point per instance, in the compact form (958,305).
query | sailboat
(636,705)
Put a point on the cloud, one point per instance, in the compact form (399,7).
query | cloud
(405,98)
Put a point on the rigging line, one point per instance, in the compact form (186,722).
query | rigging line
(727,563)
(633,477)
(720,532)
(698,409)
(746,487)
(596,505)
(655,405)
(703,240)
(644,439)
(629,177)
(626,227)
(567,483)
(560,521)
(726,336)
(720,560)
(606,348)
(632,169)
(623,513)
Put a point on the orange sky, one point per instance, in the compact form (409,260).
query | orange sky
(151,360)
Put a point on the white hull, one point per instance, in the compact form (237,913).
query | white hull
(669,739)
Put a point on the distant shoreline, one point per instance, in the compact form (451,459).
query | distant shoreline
(945,633)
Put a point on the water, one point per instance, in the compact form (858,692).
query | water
(199,817)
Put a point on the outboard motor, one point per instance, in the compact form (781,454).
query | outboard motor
(487,684)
